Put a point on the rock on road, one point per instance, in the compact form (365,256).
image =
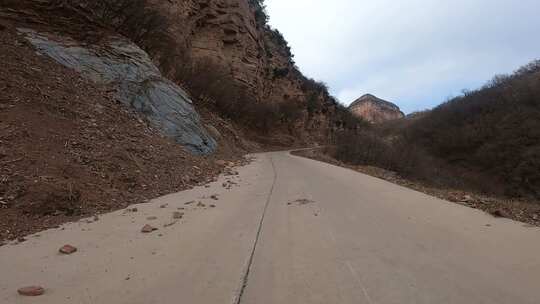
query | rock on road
(290,230)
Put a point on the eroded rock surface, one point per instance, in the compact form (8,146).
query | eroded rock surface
(375,110)
(138,82)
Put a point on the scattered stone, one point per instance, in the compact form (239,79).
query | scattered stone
(96,218)
(200,204)
(148,229)
(467,198)
(214,197)
(178,215)
(488,225)
(164,206)
(304,201)
(499,213)
(134,210)
(212,206)
(189,203)
(68,249)
(31,291)
(181,208)
(152,218)
(170,224)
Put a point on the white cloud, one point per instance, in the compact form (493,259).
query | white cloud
(412,52)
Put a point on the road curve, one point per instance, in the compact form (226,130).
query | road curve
(291,230)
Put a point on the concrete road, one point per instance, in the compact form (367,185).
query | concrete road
(292,230)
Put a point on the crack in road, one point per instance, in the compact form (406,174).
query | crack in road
(245,277)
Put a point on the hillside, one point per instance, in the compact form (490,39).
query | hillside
(374,109)
(108,103)
(492,132)
(486,140)
(69,149)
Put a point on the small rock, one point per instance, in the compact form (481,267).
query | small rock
(170,224)
(68,249)
(499,213)
(212,206)
(152,218)
(148,229)
(164,206)
(214,197)
(189,203)
(134,210)
(535,217)
(200,204)
(31,291)
(96,218)
(178,215)
(467,198)
(21,240)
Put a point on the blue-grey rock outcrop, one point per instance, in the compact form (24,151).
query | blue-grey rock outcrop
(138,82)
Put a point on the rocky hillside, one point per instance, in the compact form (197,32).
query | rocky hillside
(111,102)
(375,110)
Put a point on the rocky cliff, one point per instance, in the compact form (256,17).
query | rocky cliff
(375,110)
(233,34)
(201,44)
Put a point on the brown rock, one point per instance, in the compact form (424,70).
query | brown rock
(152,218)
(68,249)
(178,215)
(214,197)
(375,110)
(169,224)
(31,291)
(148,229)
(499,213)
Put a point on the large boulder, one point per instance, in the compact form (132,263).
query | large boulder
(139,84)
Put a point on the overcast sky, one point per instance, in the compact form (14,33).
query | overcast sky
(416,53)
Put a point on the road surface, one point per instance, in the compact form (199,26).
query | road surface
(291,230)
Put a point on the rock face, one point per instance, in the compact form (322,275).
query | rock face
(229,34)
(138,83)
(375,110)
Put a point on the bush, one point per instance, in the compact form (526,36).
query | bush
(486,140)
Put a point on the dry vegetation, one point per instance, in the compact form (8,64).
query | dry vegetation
(486,141)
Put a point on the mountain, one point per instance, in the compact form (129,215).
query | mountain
(374,109)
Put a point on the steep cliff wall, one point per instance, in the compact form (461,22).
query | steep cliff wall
(201,44)
(234,35)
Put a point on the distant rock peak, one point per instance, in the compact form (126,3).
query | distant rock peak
(374,109)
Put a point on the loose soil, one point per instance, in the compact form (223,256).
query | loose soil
(69,150)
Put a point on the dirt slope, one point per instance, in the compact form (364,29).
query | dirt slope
(68,149)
